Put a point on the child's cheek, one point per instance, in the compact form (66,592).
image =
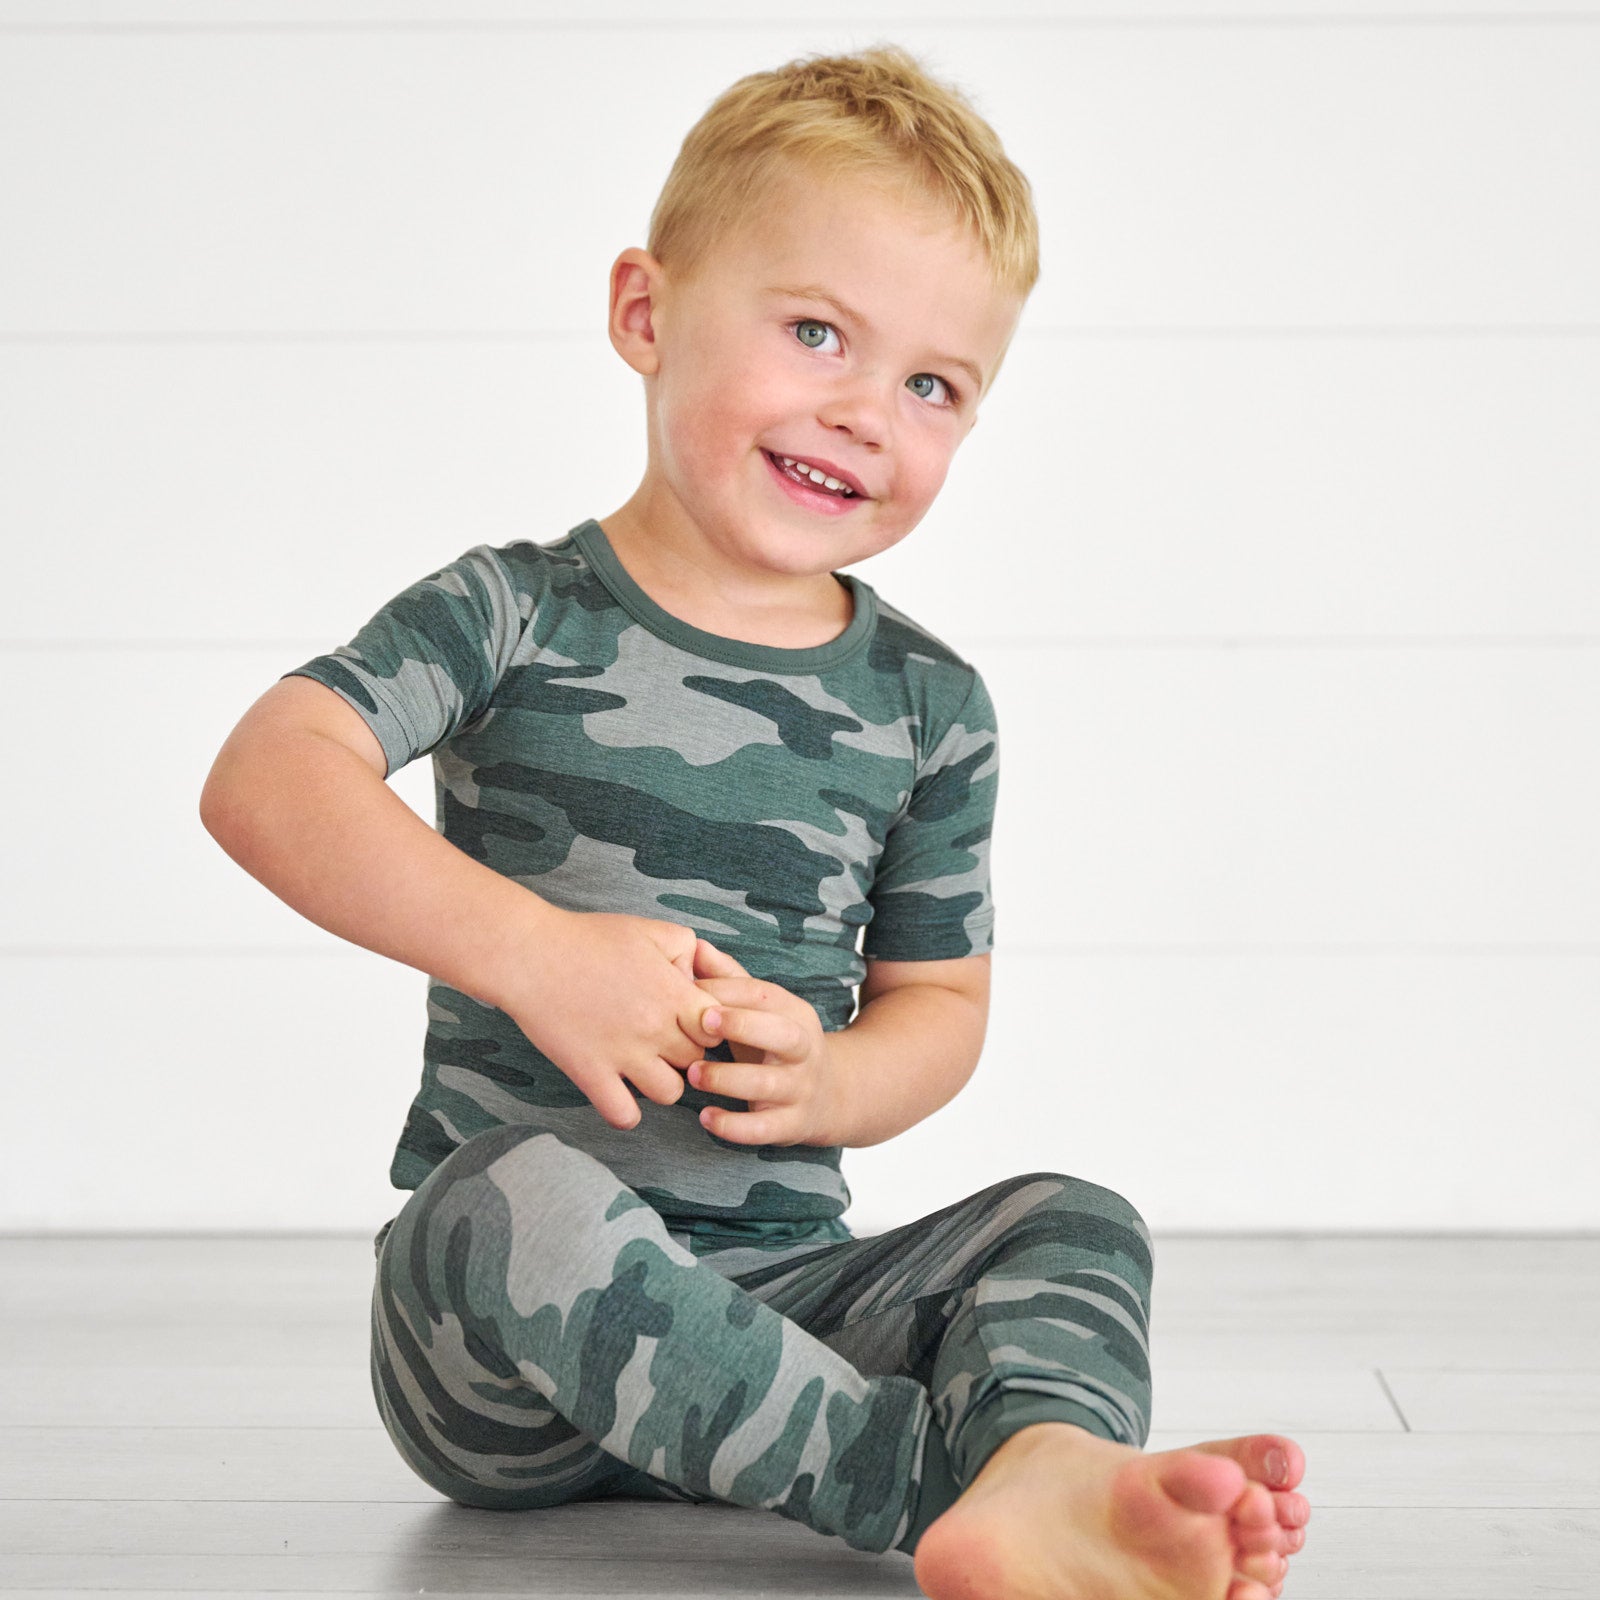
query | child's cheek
(702,428)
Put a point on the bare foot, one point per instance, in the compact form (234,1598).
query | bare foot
(1279,1464)
(1058,1513)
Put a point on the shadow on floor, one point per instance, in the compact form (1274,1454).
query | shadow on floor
(632,1548)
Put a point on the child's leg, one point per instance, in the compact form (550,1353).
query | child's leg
(1026,1302)
(529,1307)
(1029,1303)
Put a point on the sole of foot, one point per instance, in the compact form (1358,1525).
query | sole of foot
(1057,1513)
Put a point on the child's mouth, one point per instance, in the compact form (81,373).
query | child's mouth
(800,486)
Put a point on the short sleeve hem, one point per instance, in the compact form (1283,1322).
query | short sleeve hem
(942,943)
(385,717)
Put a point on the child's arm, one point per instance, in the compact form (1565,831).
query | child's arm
(912,1047)
(914,1043)
(297,796)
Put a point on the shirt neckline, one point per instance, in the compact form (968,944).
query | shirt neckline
(591,539)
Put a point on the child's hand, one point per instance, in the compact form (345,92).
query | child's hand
(610,996)
(780,1053)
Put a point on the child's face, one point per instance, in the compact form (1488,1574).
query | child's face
(838,329)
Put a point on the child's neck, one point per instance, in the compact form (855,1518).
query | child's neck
(793,613)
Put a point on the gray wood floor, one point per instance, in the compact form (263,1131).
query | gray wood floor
(192,1415)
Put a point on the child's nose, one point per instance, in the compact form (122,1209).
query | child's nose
(860,410)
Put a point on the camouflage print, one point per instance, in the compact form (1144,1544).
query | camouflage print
(564,1310)
(540,1335)
(805,810)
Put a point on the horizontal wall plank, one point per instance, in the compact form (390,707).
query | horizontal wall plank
(1223,1090)
(1207,797)
(433,179)
(1215,796)
(1116,491)
(1252,1090)
(172,1115)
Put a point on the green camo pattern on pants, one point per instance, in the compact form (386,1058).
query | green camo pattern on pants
(540,1336)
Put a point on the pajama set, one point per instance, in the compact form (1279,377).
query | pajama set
(563,1310)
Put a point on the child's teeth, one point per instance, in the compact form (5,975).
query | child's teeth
(815,474)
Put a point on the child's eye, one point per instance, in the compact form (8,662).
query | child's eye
(811,333)
(916,379)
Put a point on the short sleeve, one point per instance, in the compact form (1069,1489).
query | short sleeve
(428,662)
(931,896)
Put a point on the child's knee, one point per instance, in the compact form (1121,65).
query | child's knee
(1090,1215)
(1108,1203)
(1084,1197)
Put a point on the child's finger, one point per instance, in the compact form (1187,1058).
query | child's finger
(659,1080)
(609,1095)
(692,1025)
(735,1080)
(741,1127)
(761,1030)
(749,992)
(710,962)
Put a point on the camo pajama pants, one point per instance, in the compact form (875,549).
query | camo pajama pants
(540,1335)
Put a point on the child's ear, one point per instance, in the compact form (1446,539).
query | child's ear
(635,282)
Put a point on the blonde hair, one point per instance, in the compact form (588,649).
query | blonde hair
(875,115)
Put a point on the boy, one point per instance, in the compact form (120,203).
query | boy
(681,764)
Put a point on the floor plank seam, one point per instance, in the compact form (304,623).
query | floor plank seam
(1377,1372)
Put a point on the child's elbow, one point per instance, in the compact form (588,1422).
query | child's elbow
(219,806)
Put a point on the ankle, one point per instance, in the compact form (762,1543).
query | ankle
(1052,1436)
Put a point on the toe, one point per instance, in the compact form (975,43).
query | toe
(1294,1510)
(1200,1484)
(1257,1453)
(1253,1509)
(1248,1589)
(1266,1569)
(1252,1541)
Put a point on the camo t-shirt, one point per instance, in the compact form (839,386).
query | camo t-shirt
(799,808)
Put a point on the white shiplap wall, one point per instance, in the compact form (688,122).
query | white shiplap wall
(1286,513)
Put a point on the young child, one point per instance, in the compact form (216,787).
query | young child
(684,767)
